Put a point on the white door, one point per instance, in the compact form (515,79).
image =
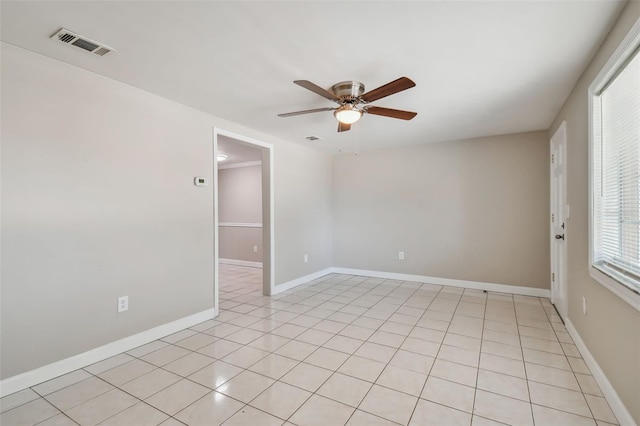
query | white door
(559,213)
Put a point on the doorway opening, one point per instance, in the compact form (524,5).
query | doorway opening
(559,215)
(243,215)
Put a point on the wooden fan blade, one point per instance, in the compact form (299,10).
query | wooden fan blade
(342,127)
(317,89)
(403,83)
(308,111)
(393,113)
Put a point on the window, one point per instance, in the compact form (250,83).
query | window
(615,172)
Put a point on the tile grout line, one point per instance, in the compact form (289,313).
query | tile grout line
(439,348)
(475,390)
(394,354)
(301,361)
(555,333)
(336,370)
(524,364)
(366,293)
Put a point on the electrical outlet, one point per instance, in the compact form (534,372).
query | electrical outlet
(123,303)
(401,255)
(306,258)
(584,305)
(255,249)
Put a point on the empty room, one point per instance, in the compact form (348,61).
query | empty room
(320,213)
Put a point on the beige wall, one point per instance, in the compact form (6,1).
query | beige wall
(303,213)
(236,243)
(473,210)
(98,201)
(240,201)
(611,328)
(240,194)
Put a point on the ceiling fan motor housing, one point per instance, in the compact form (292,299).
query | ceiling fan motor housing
(348,89)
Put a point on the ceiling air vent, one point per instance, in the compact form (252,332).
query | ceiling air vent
(69,37)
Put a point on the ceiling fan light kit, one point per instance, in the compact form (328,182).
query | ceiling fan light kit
(347,114)
(350,94)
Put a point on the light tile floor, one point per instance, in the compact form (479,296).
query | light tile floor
(341,350)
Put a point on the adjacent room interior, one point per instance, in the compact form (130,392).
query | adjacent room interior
(243,213)
(240,242)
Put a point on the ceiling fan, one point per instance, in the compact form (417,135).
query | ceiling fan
(352,101)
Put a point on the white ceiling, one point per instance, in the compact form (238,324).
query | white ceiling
(237,151)
(482,68)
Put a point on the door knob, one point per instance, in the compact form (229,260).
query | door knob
(560,237)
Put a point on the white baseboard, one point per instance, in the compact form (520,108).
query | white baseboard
(240,262)
(301,280)
(616,404)
(47,372)
(53,370)
(477,285)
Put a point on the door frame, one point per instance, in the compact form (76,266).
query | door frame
(558,252)
(268,228)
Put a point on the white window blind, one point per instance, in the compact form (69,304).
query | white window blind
(616,176)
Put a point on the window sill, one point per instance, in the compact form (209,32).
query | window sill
(616,287)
